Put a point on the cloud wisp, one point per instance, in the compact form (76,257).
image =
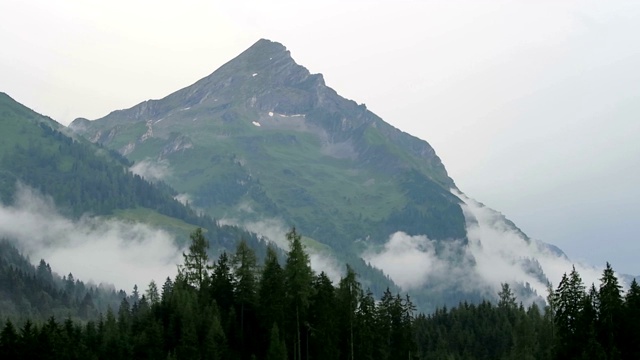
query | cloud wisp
(497,252)
(275,231)
(93,249)
(409,260)
(152,170)
(503,254)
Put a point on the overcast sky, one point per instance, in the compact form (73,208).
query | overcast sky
(534,106)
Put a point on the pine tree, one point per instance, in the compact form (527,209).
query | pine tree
(323,322)
(506,298)
(569,302)
(222,285)
(9,342)
(610,311)
(245,273)
(196,263)
(631,323)
(348,294)
(167,288)
(152,293)
(298,275)
(365,334)
(277,349)
(271,295)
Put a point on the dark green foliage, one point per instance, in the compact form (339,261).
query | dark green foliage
(37,293)
(241,312)
(610,312)
(321,329)
(271,302)
(298,291)
(427,213)
(196,263)
(238,312)
(277,348)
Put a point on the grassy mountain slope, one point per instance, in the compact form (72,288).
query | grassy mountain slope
(261,137)
(84,178)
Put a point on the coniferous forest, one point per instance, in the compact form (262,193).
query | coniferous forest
(236,308)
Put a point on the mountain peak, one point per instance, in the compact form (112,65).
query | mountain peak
(266,46)
(265,59)
(262,54)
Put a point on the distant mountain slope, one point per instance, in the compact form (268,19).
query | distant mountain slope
(83,178)
(37,292)
(261,137)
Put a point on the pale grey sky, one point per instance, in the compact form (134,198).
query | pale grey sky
(533,106)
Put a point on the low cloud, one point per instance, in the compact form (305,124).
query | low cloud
(152,170)
(93,249)
(275,231)
(322,261)
(272,230)
(184,199)
(496,253)
(503,254)
(408,260)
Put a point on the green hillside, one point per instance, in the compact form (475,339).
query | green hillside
(261,137)
(83,178)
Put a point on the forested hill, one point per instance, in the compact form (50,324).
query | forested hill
(83,178)
(36,293)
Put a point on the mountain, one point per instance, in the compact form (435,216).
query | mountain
(263,143)
(263,135)
(61,194)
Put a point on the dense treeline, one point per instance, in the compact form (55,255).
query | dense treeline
(236,308)
(600,323)
(36,293)
(232,309)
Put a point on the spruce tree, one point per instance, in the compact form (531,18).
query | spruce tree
(348,294)
(569,303)
(631,322)
(610,311)
(298,275)
(271,295)
(245,273)
(196,263)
